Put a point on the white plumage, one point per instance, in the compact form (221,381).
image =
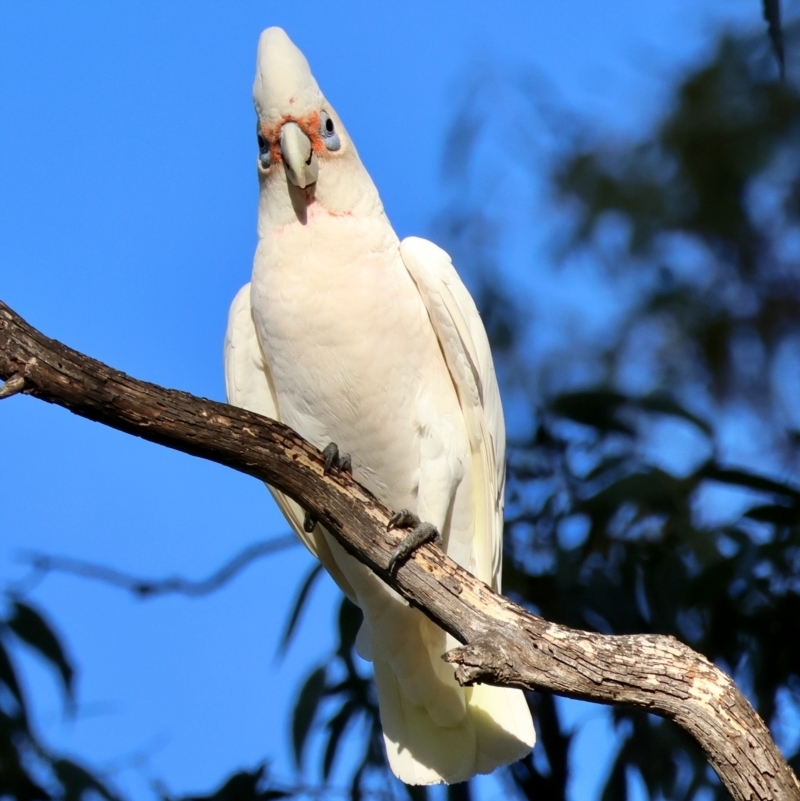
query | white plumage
(350,336)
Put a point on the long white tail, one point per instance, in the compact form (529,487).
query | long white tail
(495,730)
(435,730)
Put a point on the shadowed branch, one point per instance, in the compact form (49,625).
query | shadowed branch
(149,588)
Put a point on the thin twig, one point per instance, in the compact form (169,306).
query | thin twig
(149,588)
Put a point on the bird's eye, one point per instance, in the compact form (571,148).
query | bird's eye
(264,155)
(328,132)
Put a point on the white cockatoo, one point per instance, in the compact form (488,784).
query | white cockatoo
(352,337)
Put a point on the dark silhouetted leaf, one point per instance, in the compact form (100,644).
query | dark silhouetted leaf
(744,478)
(350,619)
(653,492)
(336,727)
(8,677)
(772,16)
(616,787)
(608,467)
(773,513)
(305,711)
(297,608)
(15,780)
(77,781)
(244,785)
(596,408)
(417,792)
(33,629)
(459,792)
(662,404)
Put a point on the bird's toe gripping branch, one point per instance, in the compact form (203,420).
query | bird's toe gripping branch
(420,534)
(333,460)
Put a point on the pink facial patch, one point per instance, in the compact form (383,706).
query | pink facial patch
(309,125)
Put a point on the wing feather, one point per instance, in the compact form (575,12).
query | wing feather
(465,345)
(248,384)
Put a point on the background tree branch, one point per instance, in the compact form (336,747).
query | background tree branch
(42,563)
(504,644)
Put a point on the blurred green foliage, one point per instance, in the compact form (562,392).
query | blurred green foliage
(716,186)
(601,533)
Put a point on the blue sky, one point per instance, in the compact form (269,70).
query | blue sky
(127,223)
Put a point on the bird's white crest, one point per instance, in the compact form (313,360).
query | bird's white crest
(284,84)
(350,336)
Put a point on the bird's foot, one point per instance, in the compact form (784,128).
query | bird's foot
(420,534)
(341,461)
(333,459)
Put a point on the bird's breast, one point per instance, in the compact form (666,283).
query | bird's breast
(352,353)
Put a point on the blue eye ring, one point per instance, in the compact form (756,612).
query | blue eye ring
(264,154)
(328,132)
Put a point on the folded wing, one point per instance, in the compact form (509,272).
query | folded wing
(248,384)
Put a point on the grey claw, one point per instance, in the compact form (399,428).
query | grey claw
(309,521)
(403,519)
(331,454)
(333,458)
(422,533)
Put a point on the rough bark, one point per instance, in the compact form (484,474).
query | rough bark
(504,644)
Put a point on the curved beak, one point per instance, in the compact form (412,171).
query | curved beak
(299,159)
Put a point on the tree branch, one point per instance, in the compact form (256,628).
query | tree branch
(173,585)
(504,644)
